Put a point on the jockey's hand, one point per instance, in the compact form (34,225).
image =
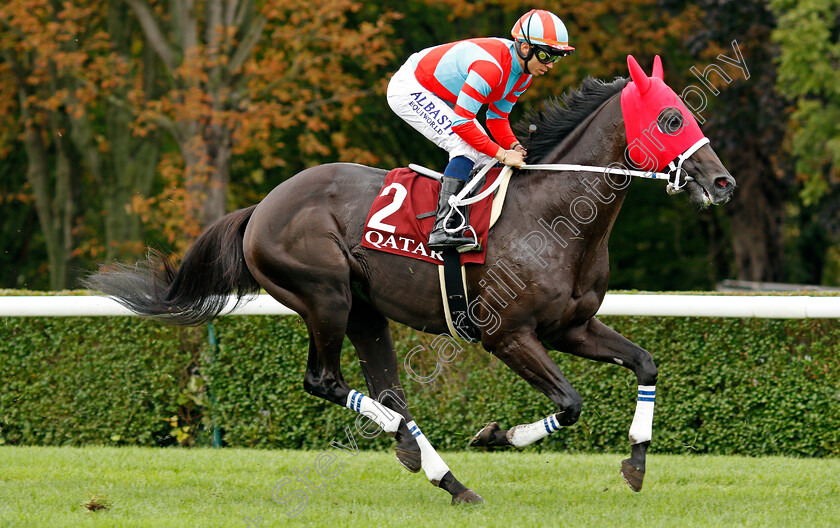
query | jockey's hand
(511,158)
(520,149)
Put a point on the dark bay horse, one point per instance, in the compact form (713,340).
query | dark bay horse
(549,248)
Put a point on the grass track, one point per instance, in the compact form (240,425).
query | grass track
(44,487)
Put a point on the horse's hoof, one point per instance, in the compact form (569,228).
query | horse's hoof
(410,460)
(467,496)
(484,437)
(633,476)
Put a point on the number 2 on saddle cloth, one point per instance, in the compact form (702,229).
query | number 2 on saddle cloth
(392,225)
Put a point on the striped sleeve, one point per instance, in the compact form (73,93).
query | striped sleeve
(497,116)
(481,80)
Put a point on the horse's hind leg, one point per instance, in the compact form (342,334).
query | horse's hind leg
(323,377)
(368,331)
(319,290)
(595,340)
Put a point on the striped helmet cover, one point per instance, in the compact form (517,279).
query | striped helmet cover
(541,27)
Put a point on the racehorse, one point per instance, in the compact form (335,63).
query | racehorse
(302,245)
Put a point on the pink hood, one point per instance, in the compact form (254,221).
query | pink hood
(642,102)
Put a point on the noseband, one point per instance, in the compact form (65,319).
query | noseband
(676,179)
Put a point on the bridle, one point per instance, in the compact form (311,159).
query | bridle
(676,177)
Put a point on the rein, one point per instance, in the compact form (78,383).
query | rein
(675,176)
(677,180)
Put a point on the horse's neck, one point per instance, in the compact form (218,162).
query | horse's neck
(598,141)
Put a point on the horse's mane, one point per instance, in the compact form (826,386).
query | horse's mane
(558,116)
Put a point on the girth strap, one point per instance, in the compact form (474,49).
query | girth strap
(456,297)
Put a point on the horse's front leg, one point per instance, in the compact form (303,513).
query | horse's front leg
(595,340)
(525,355)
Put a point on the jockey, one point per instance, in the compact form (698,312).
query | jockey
(439,91)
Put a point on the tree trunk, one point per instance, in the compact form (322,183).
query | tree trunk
(129,165)
(757,215)
(204,143)
(218,153)
(38,175)
(55,206)
(207,169)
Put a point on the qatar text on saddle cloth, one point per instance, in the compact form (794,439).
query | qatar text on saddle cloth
(392,225)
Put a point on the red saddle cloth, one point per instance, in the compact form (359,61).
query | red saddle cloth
(392,225)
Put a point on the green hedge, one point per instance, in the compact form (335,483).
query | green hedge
(726,386)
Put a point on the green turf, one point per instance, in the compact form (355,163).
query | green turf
(45,487)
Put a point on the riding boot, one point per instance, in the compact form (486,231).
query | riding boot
(439,239)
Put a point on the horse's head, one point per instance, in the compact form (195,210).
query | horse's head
(663,134)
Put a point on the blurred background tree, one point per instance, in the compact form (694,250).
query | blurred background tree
(808,40)
(127,123)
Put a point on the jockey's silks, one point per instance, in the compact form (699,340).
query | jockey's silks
(470,73)
(642,102)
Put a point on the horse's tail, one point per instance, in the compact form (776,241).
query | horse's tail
(198,290)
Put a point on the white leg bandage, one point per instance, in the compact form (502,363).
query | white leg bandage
(387,419)
(432,464)
(527,434)
(641,429)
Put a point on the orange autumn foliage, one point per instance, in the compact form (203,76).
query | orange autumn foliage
(235,79)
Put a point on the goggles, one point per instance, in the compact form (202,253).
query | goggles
(548,56)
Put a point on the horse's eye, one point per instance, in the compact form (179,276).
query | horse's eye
(670,121)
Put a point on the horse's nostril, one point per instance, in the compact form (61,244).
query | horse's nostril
(723,183)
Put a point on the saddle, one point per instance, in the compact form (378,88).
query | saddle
(401,218)
(402,215)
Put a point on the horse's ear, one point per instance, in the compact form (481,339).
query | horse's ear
(657,68)
(638,75)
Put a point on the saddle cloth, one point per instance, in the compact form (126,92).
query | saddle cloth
(392,225)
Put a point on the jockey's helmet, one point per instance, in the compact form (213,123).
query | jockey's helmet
(542,30)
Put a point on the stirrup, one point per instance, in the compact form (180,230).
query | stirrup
(466,248)
(444,235)
(462,227)
(462,244)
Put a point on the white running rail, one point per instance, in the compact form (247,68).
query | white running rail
(662,305)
